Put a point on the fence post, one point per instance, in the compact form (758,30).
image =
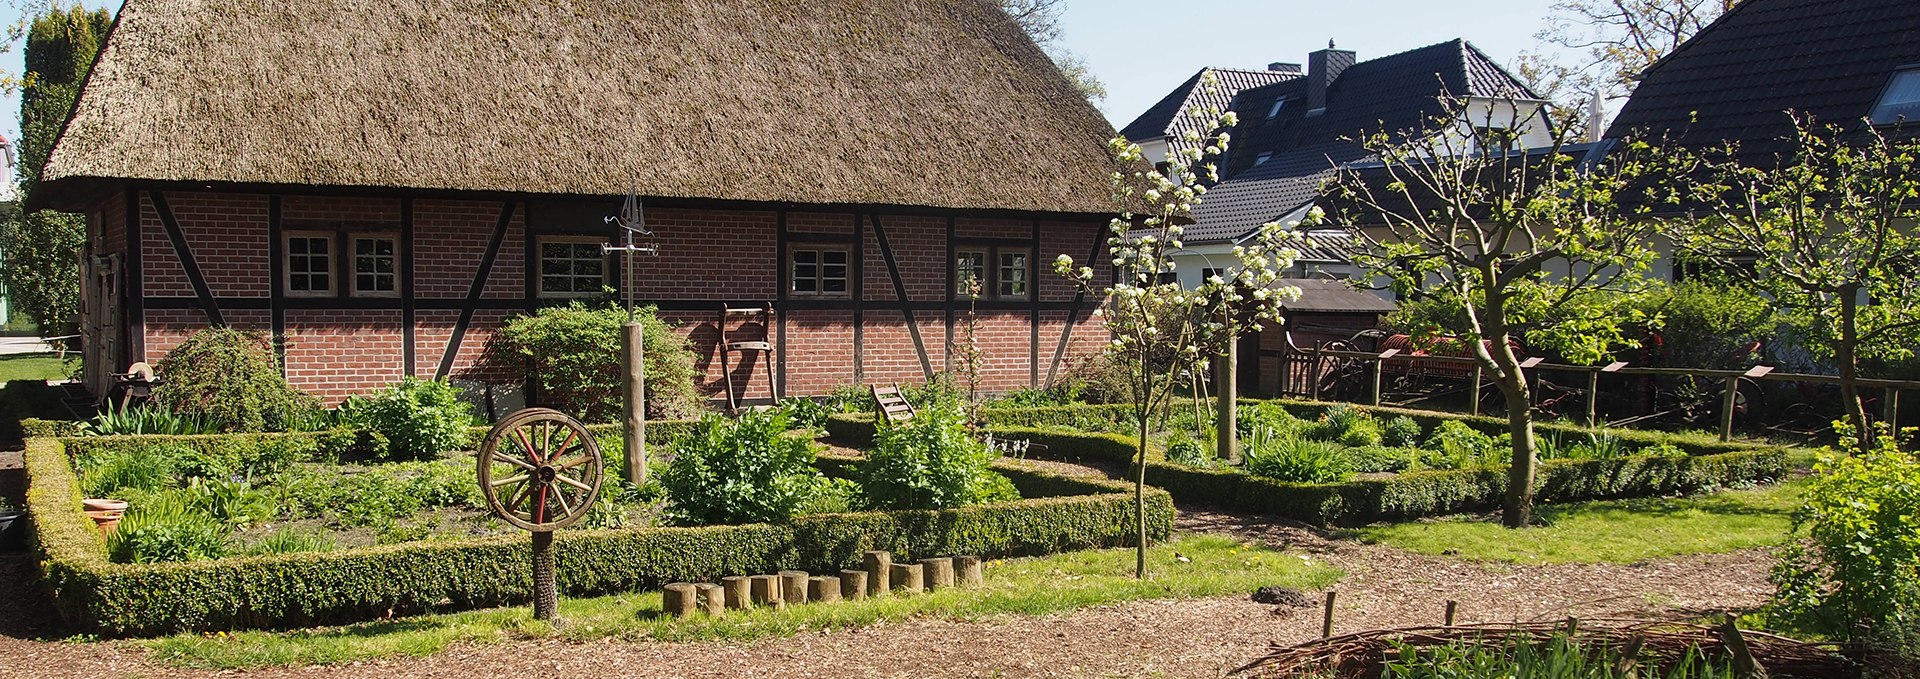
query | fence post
(1727,395)
(1313,376)
(1379,365)
(1593,398)
(1476,389)
(1890,412)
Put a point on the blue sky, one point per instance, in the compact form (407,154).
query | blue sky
(1142,48)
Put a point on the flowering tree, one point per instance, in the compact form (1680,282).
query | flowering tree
(1520,243)
(1159,327)
(1829,230)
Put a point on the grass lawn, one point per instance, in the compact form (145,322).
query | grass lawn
(1613,531)
(32,367)
(1219,565)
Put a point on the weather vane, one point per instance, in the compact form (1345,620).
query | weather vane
(632,222)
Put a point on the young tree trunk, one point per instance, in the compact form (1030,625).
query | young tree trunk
(1846,355)
(1140,502)
(1518,508)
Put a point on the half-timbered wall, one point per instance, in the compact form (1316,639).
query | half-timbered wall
(468,264)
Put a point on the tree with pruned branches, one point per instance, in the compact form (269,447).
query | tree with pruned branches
(1523,244)
(1616,41)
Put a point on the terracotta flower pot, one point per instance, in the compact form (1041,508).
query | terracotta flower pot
(104,505)
(104,520)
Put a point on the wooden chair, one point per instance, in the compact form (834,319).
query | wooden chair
(891,404)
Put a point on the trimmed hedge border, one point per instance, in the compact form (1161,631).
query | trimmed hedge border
(1709,464)
(299,590)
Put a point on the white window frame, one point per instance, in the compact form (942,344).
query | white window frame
(353,262)
(983,271)
(1912,115)
(332,268)
(820,278)
(540,260)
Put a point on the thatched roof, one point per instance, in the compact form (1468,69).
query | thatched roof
(941,103)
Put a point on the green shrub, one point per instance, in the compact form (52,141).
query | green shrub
(162,528)
(1189,452)
(1376,459)
(378,495)
(138,470)
(1857,575)
(747,470)
(572,354)
(1455,445)
(1401,432)
(231,378)
(1300,460)
(1271,417)
(1561,657)
(806,412)
(930,462)
(413,419)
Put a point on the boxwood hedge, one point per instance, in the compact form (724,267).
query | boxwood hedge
(1709,463)
(304,589)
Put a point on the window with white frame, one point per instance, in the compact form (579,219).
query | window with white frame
(1012,283)
(376,265)
(309,264)
(970,273)
(572,266)
(1901,100)
(819,271)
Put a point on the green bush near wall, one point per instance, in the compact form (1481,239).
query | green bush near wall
(305,589)
(1709,464)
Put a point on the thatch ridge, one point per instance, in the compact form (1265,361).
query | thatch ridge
(938,103)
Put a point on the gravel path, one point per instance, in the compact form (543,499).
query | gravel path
(1196,638)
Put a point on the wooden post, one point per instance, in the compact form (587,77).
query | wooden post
(793,587)
(713,598)
(1313,376)
(973,572)
(1326,623)
(766,591)
(853,584)
(1593,398)
(909,578)
(1476,389)
(1890,412)
(1379,366)
(1451,607)
(1727,394)
(1744,665)
(738,591)
(1226,439)
(677,599)
(546,591)
(879,566)
(633,371)
(939,572)
(824,589)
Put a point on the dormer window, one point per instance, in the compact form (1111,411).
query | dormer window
(1901,100)
(1263,158)
(1278,104)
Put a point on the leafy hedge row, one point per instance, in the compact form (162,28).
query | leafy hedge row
(312,445)
(1694,443)
(1709,464)
(304,589)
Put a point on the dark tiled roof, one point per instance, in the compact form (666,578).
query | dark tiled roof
(1395,93)
(1324,245)
(1735,79)
(1323,295)
(1166,119)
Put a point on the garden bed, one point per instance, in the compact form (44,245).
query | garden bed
(461,569)
(1596,465)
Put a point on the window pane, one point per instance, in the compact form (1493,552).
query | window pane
(1901,101)
(555,284)
(587,267)
(803,284)
(805,257)
(364,281)
(835,285)
(556,267)
(834,256)
(550,250)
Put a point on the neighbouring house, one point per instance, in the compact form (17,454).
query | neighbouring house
(378,186)
(1296,130)
(1847,62)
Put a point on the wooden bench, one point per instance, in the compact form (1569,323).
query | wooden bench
(891,404)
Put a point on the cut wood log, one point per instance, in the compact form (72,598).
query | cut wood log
(824,589)
(739,591)
(939,572)
(679,599)
(766,591)
(853,584)
(973,571)
(713,598)
(793,587)
(909,578)
(879,567)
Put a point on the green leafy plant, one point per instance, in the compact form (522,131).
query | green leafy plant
(142,420)
(1401,432)
(572,354)
(1292,458)
(1558,658)
(290,541)
(164,527)
(930,462)
(1455,445)
(231,378)
(1187,451)
(748,470)
(1376,459)
(806,412)
(1857,575)
(413,419)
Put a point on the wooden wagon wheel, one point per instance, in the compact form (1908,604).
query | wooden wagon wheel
(540,470)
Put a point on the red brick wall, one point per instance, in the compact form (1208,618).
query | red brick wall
(706,255)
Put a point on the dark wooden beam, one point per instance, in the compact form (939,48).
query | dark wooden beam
(276,286)
(184,252)
(858,258)
(1073,315)
(407,340)
(900,293)
(135,285)
(780,305)
(473,291)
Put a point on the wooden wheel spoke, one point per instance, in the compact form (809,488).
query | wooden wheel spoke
(539,470)
(511,479)
(526,445)
(498,457)
(561,498)
(519,497)
(563,478)
(583,459)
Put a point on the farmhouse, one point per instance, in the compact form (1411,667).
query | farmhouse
(379,186)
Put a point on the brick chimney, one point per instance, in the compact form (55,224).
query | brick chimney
(1323,68)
